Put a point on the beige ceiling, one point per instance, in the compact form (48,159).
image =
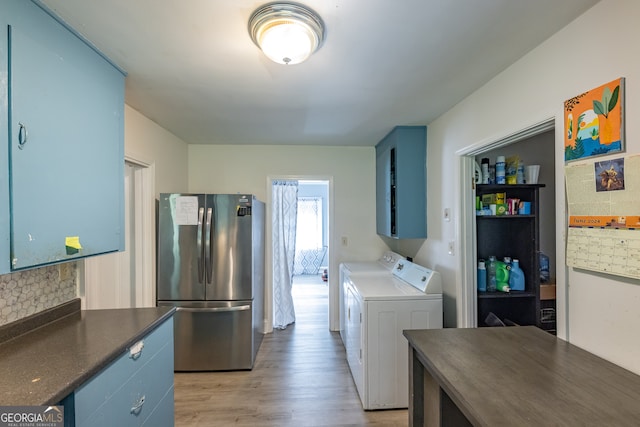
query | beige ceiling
(193,69)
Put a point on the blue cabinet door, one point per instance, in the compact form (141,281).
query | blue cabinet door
(132,391)
(401,183)
(66,144)
(5,211)
(411,182)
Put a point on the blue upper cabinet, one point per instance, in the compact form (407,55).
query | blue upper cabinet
(63,105)
(401,183)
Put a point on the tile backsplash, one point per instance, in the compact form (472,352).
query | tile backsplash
(29,292)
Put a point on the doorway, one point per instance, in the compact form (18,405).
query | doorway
(309,281)
(309,284)
(528,142)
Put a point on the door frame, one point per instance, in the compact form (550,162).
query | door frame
(332,282)
(466,280)
(98,270)
(145,231)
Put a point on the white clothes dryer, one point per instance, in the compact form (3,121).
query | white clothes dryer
(382,266)
(378,309)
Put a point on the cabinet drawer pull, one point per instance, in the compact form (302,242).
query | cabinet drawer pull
(135,351)
(137,407)
(23,135)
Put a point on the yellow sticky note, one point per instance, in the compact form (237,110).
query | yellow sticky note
(73,242)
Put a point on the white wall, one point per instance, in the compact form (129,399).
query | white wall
(146,141)
(597,312)
(247,169)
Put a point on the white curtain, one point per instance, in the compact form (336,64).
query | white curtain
(284,215)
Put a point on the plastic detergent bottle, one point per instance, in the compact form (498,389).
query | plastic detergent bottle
(482,276)
(502,287)
(500,170)
(502,277)
(485,170)
(544,268)
(516,277)
(491,274)
(520,173)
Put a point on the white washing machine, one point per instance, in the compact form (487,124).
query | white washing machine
(378,309)
(383,266)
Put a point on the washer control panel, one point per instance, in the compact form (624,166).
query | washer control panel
(421,278)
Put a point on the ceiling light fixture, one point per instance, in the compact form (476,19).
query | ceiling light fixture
(287,33)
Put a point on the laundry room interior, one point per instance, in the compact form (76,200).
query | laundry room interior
(371,229)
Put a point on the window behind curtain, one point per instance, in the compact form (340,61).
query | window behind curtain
(310,251)
(309,228)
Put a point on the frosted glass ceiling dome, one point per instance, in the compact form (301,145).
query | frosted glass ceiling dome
(287,33)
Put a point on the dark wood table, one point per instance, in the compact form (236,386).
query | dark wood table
(514,376)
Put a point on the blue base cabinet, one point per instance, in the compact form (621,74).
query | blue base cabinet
(63,178)
(401,183)
(134,390)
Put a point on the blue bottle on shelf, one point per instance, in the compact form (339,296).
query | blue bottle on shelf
(516,277)
(482,276)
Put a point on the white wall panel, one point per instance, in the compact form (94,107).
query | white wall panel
(599,313)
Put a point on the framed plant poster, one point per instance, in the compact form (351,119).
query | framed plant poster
(594,122)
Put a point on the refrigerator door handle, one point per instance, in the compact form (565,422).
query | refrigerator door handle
(207,248)
(199,245)
(214,309)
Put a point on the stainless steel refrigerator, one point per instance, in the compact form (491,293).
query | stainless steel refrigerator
(210,266)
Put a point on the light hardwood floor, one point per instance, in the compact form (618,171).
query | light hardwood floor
(300,378)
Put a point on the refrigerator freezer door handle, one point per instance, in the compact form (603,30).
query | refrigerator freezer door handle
(199,243)
(207,248)
(214,309)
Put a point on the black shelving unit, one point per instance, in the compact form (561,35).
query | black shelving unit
(515,236)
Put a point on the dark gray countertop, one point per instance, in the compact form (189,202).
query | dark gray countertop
(523,376)
(44,365)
